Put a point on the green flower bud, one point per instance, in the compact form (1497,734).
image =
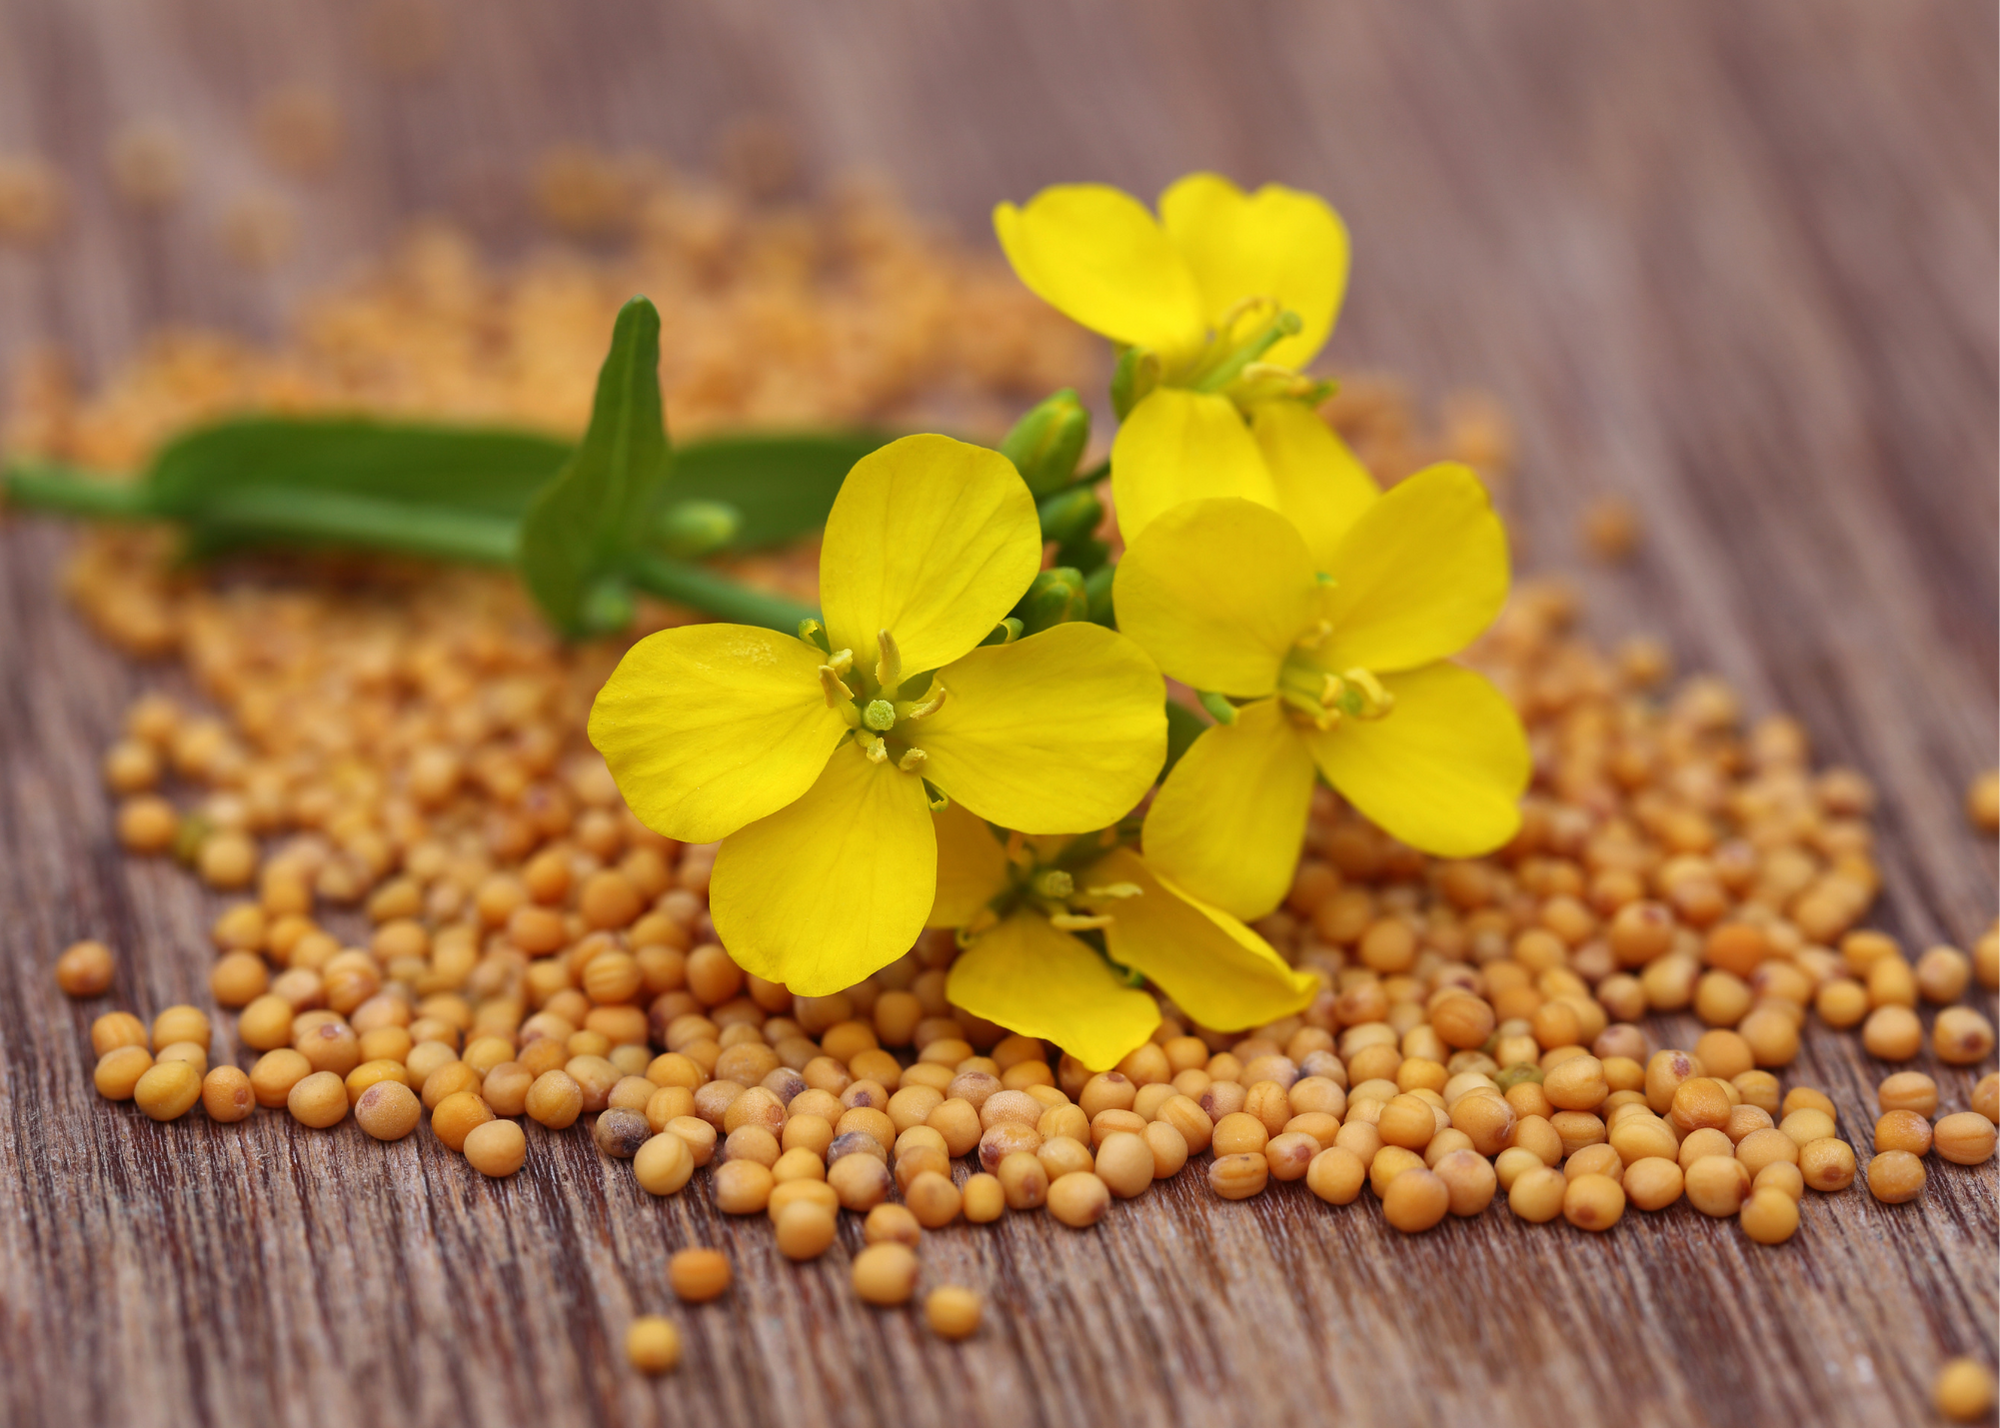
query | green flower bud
(1046,444)
(1071,516)
(1137,373)
(691,528)
(1056,597)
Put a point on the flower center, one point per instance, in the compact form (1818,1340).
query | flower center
(872,702)
(1316,694)
(1049,883)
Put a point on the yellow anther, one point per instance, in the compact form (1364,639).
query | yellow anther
(913,761)
(889,664)
(933,699)
(841,661)
(1115,890)
(1315,637)
(836,691)
(1365,691)
(1076,922)
(878,752)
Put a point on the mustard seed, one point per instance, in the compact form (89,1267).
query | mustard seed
(1537,1194)
(456,1116)
(1895,1176)
(192,1052)
(743,1187)
(1593,1202)
(953,1312)
(1770,1217)
(1416,1200)
(1986,1096)
(1716,1185)
(1892,1033)
(1336,1175)
(1652,1183)
(116,1029)
(119,1071)
(983,1199)
(805,1230)
(554,1100)
(84,969)
(698,1276)
(226,1095)
(1903,1130)
(1908,1091)
(1961,1036)
(1469,1178)
(620,1133)
(169,1089)
(891,1222)
(885,1274)
(1125,1164)
(388,1110)
(1081,1200)
(653,1345)
(1964,1138)
(318,1100)
(1964,1390)
(181,1023)
(1780,1175)
(1827,1165)
(663,1165)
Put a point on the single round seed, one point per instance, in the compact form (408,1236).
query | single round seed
(805,1230)
(885,1274)
(318,1100)
(1593,1202)
(698,1275)
(663,1165)
(1895,1177)
(1964,1390)
(84,969)
(1964,1138)
(119,1071)
(1416,1200)
(953,1312)
(226,1095)
(496,1148)
(388,1110)
(1081,1200)
(653,1344)
(1770,1217)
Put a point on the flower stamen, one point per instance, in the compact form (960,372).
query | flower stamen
(889,664)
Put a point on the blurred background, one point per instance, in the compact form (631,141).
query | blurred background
(1733,264)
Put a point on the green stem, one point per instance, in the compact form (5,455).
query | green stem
(716,594)
(45,487)
(435,532)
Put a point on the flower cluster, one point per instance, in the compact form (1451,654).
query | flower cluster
(965,739)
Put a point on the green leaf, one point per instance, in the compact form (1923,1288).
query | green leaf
(486,469)
(1184,726)
(582,526)
(782,485)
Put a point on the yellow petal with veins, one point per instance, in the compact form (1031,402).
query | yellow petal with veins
(932,540)
(1036,980)
(1276,243)
(1217,970)
(1098,257)
(1062,730)
(709,727)
(1419,574)
(833,887)
(1228,823)
(1321,486)
(971,867)
(1218,592)
(1177,446)
(1443,771)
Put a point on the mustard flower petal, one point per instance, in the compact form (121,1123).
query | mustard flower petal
(1099,258)
(833,887)
(1039,981)
(1218,592)
(709,727)
(1276,242)
(1443,771)
(1321,485)
(971,867)
(1178,446)
(1059,731)
(1228,823)
(1217,970)
(1419,574)
(932,540)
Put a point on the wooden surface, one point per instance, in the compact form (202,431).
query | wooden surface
(1736,261)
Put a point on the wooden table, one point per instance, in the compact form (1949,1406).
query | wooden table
(1734,261)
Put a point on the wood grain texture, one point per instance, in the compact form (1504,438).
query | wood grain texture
(1735,261)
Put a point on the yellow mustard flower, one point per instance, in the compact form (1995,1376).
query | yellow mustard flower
(1020,907)
(814,760)
(1345,671)
(1223,299)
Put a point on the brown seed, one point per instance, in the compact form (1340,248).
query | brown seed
(226,1095)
